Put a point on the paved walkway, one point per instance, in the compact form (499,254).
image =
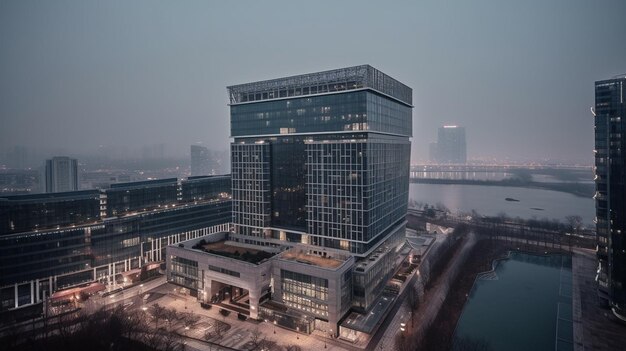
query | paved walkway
(240,333)
(430,302)
(595,325)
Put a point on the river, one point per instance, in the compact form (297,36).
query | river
(525,304)
(491,201)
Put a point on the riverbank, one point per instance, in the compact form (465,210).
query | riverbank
(577,189)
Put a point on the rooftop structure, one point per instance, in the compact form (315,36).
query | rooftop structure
(306,257)
(332,81)
(231,250)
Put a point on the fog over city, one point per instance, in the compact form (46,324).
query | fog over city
(123,78)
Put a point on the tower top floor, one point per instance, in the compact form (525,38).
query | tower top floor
(332,81)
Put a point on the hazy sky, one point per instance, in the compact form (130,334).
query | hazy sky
(518,74)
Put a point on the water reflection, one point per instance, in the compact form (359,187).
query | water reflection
(491,201)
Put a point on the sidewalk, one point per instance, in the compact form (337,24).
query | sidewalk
(431,301)
(595,325)
(241,332)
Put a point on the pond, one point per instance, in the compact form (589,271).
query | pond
(524,304)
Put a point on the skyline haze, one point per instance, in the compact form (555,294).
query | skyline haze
(124,75)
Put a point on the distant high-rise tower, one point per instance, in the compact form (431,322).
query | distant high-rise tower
(201,162)
(610,175)
(450,146)
(61,174)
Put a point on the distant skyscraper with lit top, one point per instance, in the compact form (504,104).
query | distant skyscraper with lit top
(450,147)
(610,197)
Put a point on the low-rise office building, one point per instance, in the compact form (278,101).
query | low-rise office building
(54,241)
(214,269)
(302,288)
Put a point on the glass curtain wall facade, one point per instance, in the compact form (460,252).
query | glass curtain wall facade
(251,187)
(61,174)
(305,292)
(37,255)
(610,171)
(64,239)
(323,157)
(141,196)
(201,188)
(22,213)
(451,147)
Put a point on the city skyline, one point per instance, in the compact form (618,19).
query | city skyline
(74,70)
(279,175)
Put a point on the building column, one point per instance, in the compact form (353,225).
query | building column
(16,302)
(109,274)
(254,303)
(32,292)
(158,253)
(206,289)
(37,290)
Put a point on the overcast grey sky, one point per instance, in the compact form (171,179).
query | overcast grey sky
(518,74)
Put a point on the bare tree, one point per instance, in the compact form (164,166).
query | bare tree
(257,339)
(171,316)
(266,344)
(216,330)
(135,322)
(153,340)
(158,313)
(189,320)
(413,301)
(171,342)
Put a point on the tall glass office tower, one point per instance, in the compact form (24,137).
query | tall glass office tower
(610,171)
(321,159)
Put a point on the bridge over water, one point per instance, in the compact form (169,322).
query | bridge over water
(496,172)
